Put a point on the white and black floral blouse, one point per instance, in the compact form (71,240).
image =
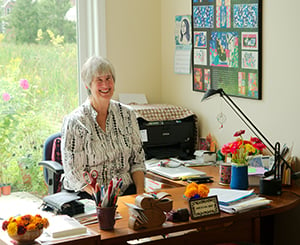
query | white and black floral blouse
(85,146)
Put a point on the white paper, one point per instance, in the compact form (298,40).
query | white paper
(246,205)
(133,98)
(227,196)
(182,62)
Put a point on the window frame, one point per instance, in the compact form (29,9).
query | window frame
(91,35)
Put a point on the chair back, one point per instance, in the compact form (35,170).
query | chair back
(52,152)
(50,147)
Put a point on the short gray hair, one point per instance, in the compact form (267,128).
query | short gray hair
(95,66)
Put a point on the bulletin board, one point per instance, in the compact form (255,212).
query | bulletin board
(226,46)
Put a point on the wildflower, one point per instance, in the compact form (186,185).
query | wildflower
(24,84)
(6,96)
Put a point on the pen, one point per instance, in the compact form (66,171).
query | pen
(192,176)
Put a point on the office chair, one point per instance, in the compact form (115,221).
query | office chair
(52,164)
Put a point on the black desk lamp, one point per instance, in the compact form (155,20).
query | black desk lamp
(269,185)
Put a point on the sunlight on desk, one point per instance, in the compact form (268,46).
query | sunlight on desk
(18,203)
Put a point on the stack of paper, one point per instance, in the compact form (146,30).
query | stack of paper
(237,201)
(64,225)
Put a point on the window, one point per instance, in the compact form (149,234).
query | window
(38,83)
(91,33)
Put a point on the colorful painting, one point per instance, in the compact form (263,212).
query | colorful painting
(223,14)
(227,46)
(200,39)
(198,79)
(252,85)
(249,40)
(200,57)
(224,49)
(245,15)
(203,16)
(207,84)
(249,60)
(242,83)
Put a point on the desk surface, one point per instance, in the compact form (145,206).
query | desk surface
(210,230)
(288,200)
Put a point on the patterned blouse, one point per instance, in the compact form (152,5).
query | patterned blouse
(85,146)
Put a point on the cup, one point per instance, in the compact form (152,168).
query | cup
(225,173)
(106,217)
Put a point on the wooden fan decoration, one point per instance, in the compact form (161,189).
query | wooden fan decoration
(149,210)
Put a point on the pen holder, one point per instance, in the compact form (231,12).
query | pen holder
(225,173)
(106,217)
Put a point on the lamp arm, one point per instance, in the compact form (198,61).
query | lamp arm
(280,161)
(244,121)
(247,121)
(224,95)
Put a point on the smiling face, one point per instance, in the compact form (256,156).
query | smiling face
(102,87)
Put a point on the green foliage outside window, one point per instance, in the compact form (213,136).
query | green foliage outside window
(38,86)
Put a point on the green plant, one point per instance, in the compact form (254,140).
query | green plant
(30,115)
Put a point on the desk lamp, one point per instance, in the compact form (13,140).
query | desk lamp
(272,182)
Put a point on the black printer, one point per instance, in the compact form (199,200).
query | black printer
(167,131)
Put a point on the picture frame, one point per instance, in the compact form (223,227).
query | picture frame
(226,46)
(201,207)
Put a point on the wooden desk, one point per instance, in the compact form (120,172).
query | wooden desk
(244,227)
(23,203)
(254,226)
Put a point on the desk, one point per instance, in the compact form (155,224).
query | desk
(254,226)
(246,227)
(26,203)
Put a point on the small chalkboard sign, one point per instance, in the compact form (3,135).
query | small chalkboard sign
(201,207)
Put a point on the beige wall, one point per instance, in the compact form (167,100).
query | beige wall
(141,44)
(276,114)
(134,46)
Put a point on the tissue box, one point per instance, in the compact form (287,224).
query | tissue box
(205,156)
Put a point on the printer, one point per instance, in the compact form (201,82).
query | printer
(167,130)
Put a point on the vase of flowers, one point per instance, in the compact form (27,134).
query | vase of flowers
(26,228)
(240,151)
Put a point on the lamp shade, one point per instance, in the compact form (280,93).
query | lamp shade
(212,92)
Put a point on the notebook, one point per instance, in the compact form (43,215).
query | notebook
(175,173)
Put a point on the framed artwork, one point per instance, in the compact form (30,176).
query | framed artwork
(226,46)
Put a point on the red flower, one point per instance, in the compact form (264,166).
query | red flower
(21,229)
(226,149)
(4,225)
(239,133)
(240,149)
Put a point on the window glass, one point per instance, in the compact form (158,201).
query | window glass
(38,84)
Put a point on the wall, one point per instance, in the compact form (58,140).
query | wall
(134,46)
(140,43)
(276,114)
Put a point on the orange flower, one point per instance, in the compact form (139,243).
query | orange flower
(19,225)
(193,190)
(203,190)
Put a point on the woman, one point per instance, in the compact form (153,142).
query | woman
(102,134)
(185,32)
